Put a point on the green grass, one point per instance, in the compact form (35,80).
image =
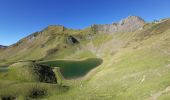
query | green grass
(102,38)
(74,68)
(134,73)
(26,90)
(123,79)
(134,66)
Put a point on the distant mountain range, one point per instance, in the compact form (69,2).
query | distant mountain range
(1,46)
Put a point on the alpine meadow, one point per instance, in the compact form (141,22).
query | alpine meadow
(128,59)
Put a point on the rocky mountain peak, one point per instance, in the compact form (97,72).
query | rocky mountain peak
(129,24)
(131,20)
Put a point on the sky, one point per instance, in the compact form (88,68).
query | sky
(19,18)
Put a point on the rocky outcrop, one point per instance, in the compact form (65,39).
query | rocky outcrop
(129,24)
(31,71)
(72,40)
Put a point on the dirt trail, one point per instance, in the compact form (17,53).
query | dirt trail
(158,94)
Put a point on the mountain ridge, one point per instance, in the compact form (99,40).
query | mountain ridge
(105,28)
(135,64)
(2,46)
(129,24)
(54,40)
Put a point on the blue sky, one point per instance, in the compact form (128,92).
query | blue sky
(19,18)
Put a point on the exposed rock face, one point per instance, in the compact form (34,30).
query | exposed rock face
(30,71)
(72,40)
(130,24)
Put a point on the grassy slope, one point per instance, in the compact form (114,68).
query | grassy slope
(135,66)
(138,71)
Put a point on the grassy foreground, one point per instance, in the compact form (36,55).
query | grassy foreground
(22,85)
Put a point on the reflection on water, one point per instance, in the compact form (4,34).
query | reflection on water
(74,68)
(3,69)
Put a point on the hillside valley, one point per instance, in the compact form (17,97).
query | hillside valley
(125,59)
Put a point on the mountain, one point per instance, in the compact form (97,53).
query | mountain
(2,47)
(128,24)
(52,41)
(135,59)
